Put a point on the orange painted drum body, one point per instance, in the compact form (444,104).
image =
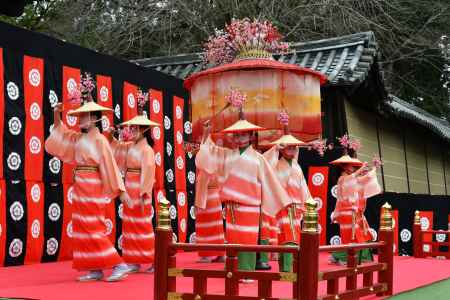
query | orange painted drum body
(270,87)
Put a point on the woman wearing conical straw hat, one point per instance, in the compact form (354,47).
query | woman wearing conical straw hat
(355,185)
(283,156)
(136,159)
(97,180)
(248,185)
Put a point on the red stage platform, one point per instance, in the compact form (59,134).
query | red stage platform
(57,280)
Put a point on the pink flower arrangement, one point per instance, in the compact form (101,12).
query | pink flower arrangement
(243,35)
(355,145)
(87,84)
(126,134)
(349,143)
(320,146)
(376,161)
(217,50)
(236,98)
(75,96)
(344,140)
(283,118)
(83,91)
(142,99)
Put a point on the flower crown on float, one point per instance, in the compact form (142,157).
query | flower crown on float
(81,96)
(243,39)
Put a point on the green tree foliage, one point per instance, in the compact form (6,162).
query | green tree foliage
(407,31)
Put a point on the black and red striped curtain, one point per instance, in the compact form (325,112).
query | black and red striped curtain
(36,72)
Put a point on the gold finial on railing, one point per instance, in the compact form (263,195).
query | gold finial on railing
(386,217)
(164,215)
(310,222)
(417,217)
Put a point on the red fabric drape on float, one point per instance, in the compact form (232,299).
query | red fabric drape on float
(33,82)
(180,168)
(318,187)
(35,219)
(104,98)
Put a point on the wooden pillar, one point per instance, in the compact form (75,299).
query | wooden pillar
(163,239)
(351,280)
(231,266)
(308,268)
(417,236)
(386,255)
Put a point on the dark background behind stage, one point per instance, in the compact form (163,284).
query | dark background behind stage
(37,71)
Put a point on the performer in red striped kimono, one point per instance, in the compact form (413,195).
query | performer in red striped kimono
(97,180)
(208,216)
(136,159)
(355,185)
(248,185)
(284,159)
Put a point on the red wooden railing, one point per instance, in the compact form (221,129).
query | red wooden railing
(436,246)
(305,276)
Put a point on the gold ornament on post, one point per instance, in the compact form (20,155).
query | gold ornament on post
(310,223)
(417,217)
(386,217)
(164,215)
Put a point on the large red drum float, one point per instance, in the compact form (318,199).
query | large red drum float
(270,86)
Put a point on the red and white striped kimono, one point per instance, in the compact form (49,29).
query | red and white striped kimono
(248,186)
(208,214)
(137,161)
(292,179)
(352,194)
(97,180)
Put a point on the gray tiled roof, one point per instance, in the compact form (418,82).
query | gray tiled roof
(344,60)
(417,115)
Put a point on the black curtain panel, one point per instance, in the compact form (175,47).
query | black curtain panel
(190,176)
(16,223)
(53,221)
(14,116)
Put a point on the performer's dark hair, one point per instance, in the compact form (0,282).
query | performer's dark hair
(148,136)
(98,115)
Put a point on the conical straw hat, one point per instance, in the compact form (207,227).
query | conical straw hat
(346,159)
(140,120)
(89,106)
(288,140)
(242,126)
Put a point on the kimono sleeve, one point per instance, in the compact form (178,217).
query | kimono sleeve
(201,188)
(147,172)
(273,196)
(211,158)
(109,172)
(369,183)
(120,152)
(61,143)
(272,156)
